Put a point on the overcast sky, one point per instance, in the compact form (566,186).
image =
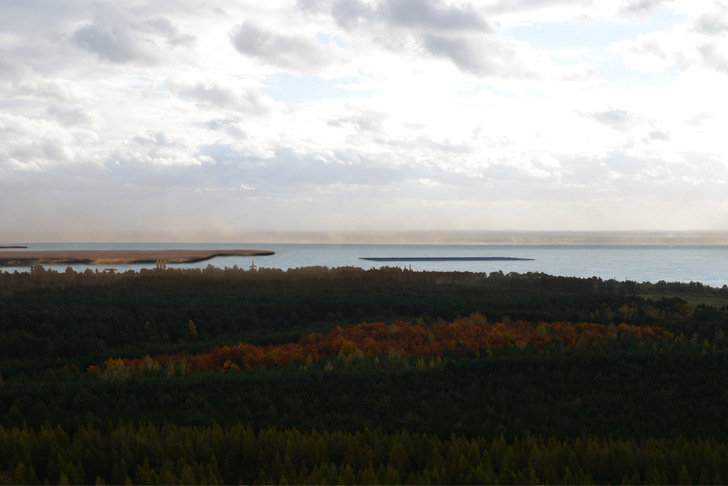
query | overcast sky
(205,120)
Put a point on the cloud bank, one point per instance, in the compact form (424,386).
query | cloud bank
(219,120)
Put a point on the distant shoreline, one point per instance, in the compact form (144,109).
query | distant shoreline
(118,257)
(11,247)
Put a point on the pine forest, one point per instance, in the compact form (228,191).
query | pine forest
(348,376)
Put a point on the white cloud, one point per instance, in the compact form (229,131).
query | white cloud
(34,144)
(696,44)
(57,89)
(161,148)
(657,51)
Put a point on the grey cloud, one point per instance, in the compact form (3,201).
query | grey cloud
(368,121)
(506,6)
(432,14)
(640,6)
(659,135)
(164,27)
(230,127)
(69,115)
(159,25)
(353,12)
(711,24)
(313,6)
(488,56)
(458,32)
(118,37)
(285,51)
(237,97)
(626,122)
(39,16)
(6,67)
(617,119)
(116,45)
(713,57)
(651,46)
(429,15)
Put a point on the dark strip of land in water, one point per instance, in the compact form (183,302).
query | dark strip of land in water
(442,259)
(118,257)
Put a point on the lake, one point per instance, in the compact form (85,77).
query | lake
(641,263)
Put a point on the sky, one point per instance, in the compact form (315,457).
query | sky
(209,121)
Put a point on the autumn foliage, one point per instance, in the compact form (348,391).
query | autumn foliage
(472,334)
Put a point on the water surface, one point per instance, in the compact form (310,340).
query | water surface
(705,264)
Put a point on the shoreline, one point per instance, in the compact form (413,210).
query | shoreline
(118,257)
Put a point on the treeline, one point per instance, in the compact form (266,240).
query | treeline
(170,454)
(38,276)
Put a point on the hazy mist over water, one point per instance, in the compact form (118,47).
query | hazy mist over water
(431,237)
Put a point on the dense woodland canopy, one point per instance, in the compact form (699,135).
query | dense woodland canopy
(344,375)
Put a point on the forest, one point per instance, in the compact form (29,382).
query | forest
(349,376)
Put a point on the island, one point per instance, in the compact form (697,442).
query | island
(118,257)
(11,247)
(443,259)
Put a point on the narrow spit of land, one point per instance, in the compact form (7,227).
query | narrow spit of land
(441,259)
(118,257)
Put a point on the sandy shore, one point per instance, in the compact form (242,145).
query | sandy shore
(117,257)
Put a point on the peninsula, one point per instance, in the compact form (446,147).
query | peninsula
(118,257)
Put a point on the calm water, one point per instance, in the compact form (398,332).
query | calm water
(705,264)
